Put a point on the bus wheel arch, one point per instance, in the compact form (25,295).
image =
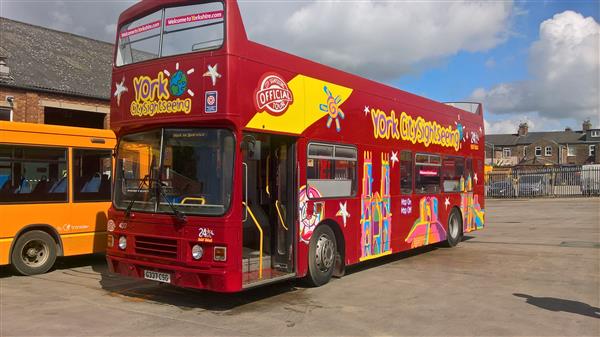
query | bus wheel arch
(455,227)
(324,256)
(41,233)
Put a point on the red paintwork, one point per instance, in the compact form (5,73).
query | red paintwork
(242,63)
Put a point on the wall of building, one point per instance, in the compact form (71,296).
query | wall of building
(29,106)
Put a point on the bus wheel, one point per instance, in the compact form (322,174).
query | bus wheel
(321,256)
(33,253)
(454,234)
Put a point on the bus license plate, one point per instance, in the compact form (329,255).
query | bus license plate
(157,276)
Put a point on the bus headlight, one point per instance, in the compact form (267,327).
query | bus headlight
(197,252)
(123,242)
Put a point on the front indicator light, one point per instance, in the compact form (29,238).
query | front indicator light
(122,242)
(110,241)
(197,252)
(220,254)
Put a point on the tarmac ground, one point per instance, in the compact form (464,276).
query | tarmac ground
(533,271)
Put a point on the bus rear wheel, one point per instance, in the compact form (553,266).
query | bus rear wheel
(33,253)
(454,234)
(321,256)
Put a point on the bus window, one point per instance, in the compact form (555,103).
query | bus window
(452,170)
(92,175)
(469,168)
(32,174)
(406,172)
(331,169)
(183,35)
(427,169)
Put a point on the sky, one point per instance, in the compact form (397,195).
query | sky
(526,61)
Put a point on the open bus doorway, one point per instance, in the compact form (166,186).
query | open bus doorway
(269,171)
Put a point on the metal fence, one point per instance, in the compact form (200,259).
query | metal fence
(544,182)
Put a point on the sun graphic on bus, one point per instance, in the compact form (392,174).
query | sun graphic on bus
(178,81)
(333,109)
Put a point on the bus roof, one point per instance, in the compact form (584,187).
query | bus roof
(57,135)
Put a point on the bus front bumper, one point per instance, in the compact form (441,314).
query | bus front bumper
(209,279)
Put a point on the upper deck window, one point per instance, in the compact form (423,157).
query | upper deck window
(172,31)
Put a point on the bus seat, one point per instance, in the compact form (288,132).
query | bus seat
(92,185)
(24,187)
(59,186)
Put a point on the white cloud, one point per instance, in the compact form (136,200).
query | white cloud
(380,40)
(490,63)
(88,18)
(564,65)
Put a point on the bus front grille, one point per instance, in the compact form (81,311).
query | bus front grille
(160,247)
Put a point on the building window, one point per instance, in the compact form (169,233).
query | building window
(595,133)
(548,151)
(332,169)
(406,172)
(506,152)
(592,150)
(524,151)
(571,151)
(5,114)
(538,151)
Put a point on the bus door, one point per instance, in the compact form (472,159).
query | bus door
(269,171)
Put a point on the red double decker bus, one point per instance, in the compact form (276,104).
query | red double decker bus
(239,165)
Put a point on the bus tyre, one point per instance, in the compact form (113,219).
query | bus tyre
(454,234)
(321,256)
(33,253)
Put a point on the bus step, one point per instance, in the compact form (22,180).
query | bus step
(251,264)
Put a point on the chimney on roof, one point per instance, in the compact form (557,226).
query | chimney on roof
(4,70)
(587,124)
(523,129)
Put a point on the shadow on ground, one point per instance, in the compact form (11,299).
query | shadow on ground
(62,263)
(292,291)
(558,304)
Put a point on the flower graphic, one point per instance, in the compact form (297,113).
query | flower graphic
(333,109)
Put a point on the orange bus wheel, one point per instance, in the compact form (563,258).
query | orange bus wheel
(33,253)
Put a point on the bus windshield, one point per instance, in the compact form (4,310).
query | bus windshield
(189,169)
(171,31)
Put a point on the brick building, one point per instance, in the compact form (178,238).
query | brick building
(526,148)
(53,77)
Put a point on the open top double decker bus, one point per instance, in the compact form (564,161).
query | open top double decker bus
(239,165)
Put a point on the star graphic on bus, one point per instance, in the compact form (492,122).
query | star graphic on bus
(394,157)
(333,109)
(447,202)
(366,110)
(343,212)
(212,73)
(178,81)
(119,90)
(475,178)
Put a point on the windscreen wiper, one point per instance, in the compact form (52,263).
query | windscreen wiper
(178,214)
(143,182)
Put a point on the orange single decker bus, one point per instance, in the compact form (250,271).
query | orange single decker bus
(239,165)
(55,188)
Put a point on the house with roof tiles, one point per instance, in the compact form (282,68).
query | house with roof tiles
(554,148)
(53,77)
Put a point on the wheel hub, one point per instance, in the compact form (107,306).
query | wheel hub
(325,253)
(35,253)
